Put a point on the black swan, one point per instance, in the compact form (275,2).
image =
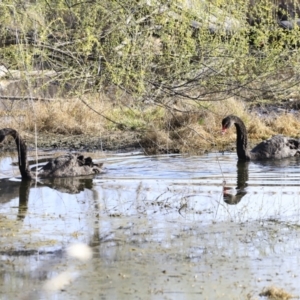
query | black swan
(68,165)
(277,147)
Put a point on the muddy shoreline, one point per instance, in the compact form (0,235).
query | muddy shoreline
(120,141)
(151,142)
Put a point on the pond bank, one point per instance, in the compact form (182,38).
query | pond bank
(194,131)
(121,141)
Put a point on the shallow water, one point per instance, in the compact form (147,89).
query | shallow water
(161,227)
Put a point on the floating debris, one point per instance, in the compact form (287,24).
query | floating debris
(275,293)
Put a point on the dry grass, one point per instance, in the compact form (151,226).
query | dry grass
(287,124)
(199,129)
(275,293)
(61,116)
(189,128)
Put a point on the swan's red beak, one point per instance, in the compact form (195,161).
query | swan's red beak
(223,130)
(226,190)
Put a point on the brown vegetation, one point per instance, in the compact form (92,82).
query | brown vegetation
(275,293)
(187,128)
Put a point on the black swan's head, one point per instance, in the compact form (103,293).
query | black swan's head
(227,123)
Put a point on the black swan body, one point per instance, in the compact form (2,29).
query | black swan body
(68,165)
(277,147)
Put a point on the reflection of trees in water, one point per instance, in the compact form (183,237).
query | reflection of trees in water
(242,183)
(98,237)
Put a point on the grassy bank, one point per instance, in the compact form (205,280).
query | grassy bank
(96,122)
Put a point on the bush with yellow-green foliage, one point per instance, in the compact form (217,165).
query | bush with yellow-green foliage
(153,49)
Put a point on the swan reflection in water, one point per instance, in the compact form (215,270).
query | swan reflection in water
(11,189)
(32,263)
(242,183)
(268,165)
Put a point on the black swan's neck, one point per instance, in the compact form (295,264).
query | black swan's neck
(22,152)
(241,140)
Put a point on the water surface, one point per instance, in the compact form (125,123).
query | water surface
(160,227)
